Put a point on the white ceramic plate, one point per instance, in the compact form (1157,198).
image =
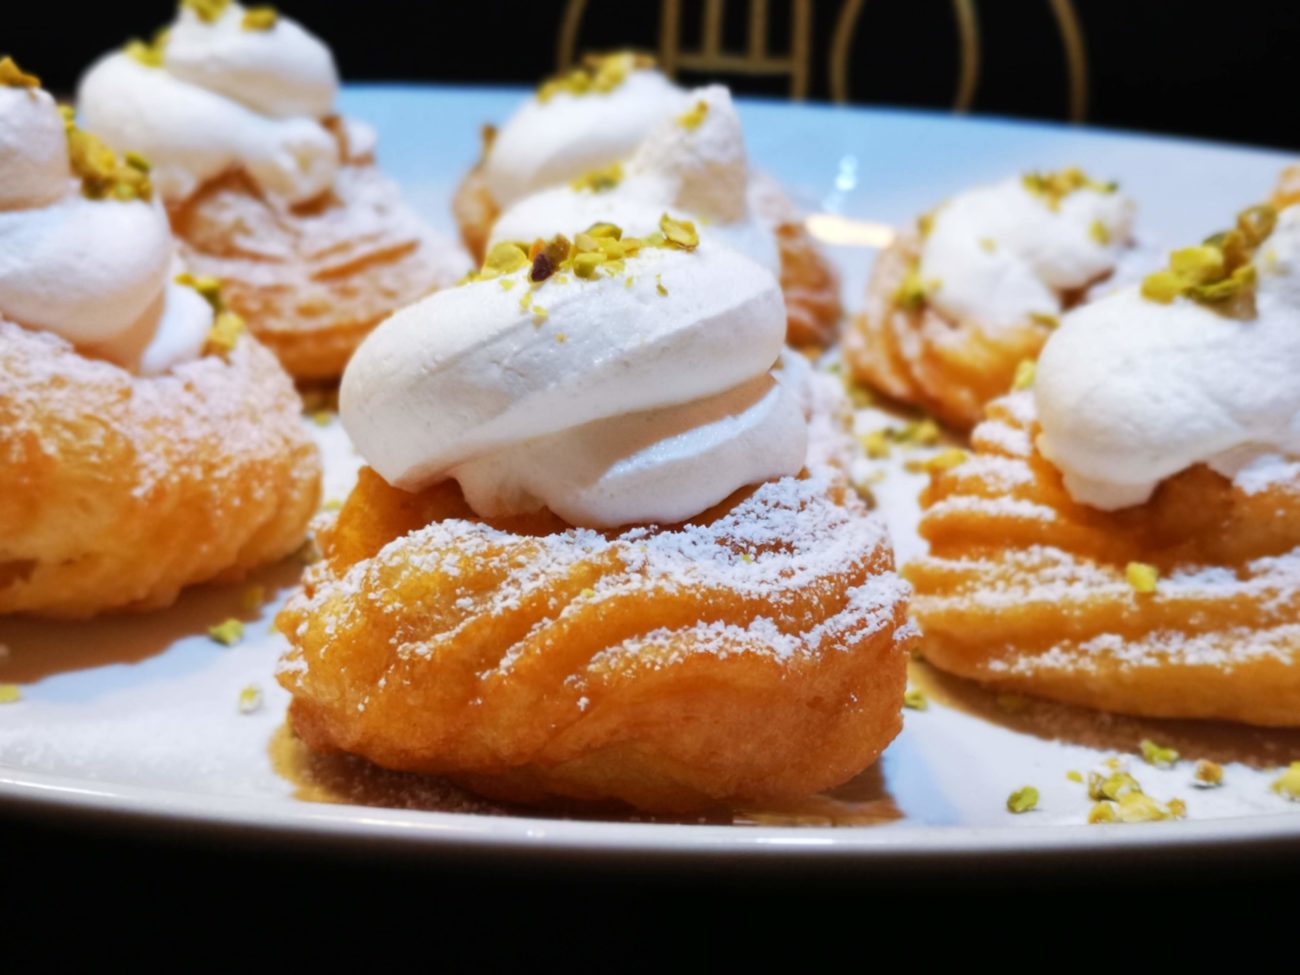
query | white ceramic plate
(139,718)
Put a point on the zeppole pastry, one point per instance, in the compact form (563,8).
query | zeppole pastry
(616,141)
(1126,534)
(145,442)
(955,304)
(267,188)
(596,554)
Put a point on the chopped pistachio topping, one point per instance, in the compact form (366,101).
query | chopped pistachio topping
(12,76)
(250,699)
(692,119)
(600,180)
(1158,755)
(1138,807)
(224,334)
(1052,188)
(912,292)
(209,11)
(228,632)
(252,598)
(925,224)
(260,18)
(679,233)
(1044,319)
(504,258)
(942,461)
(597,74)
(322,418)
(1111,786)
(917,433)
(1207,774)
(1141,577)
(988,244)
(1288,783)
(1026,373)
(206,285)
(1102,812)
(103,175)
(876,444)
(1099,232)
(1074,775)
(1022,800)
(1218,272)
(150,53)
(915,699)
(9,693)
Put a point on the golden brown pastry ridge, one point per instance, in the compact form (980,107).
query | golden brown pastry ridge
(756,653)
(313,280)
(1028,590)
(119,490)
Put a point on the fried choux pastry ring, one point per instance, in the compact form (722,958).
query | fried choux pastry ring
(955,304)
(146,441)
(1127,534)
(587,562)
(615,138)
(267,187)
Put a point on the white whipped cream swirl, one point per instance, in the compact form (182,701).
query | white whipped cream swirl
(624,404)
(700,169)
(999,255)
(96,272)
(1130,391)
(225,96)
(546,143)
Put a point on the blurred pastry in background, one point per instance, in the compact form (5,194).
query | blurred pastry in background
(267,187)
(147,442)
(616,141)
(1126,534)
(957,302)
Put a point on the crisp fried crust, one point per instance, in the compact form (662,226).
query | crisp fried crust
(119,490)
(312,281)
(1026,589)
(757,653)
(916,356)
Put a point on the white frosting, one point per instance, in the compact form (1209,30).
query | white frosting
(700,172)
(33,149)
(224,97)
(652,408)
(1130,391)
(546,143)
(1000,254)
(93,271)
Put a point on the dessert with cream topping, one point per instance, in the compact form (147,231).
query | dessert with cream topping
(601,551)
(1126,533)
(615,141)
(146,442)
(957,303)
(267,188)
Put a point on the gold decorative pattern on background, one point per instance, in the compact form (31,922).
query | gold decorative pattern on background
(755,59)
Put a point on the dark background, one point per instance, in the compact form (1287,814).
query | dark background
(1222,71)
(1173,66)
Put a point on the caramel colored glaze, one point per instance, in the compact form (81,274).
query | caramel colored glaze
(430,641)
(1026,590)
(918,357)
(1218,741)
(339,778)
